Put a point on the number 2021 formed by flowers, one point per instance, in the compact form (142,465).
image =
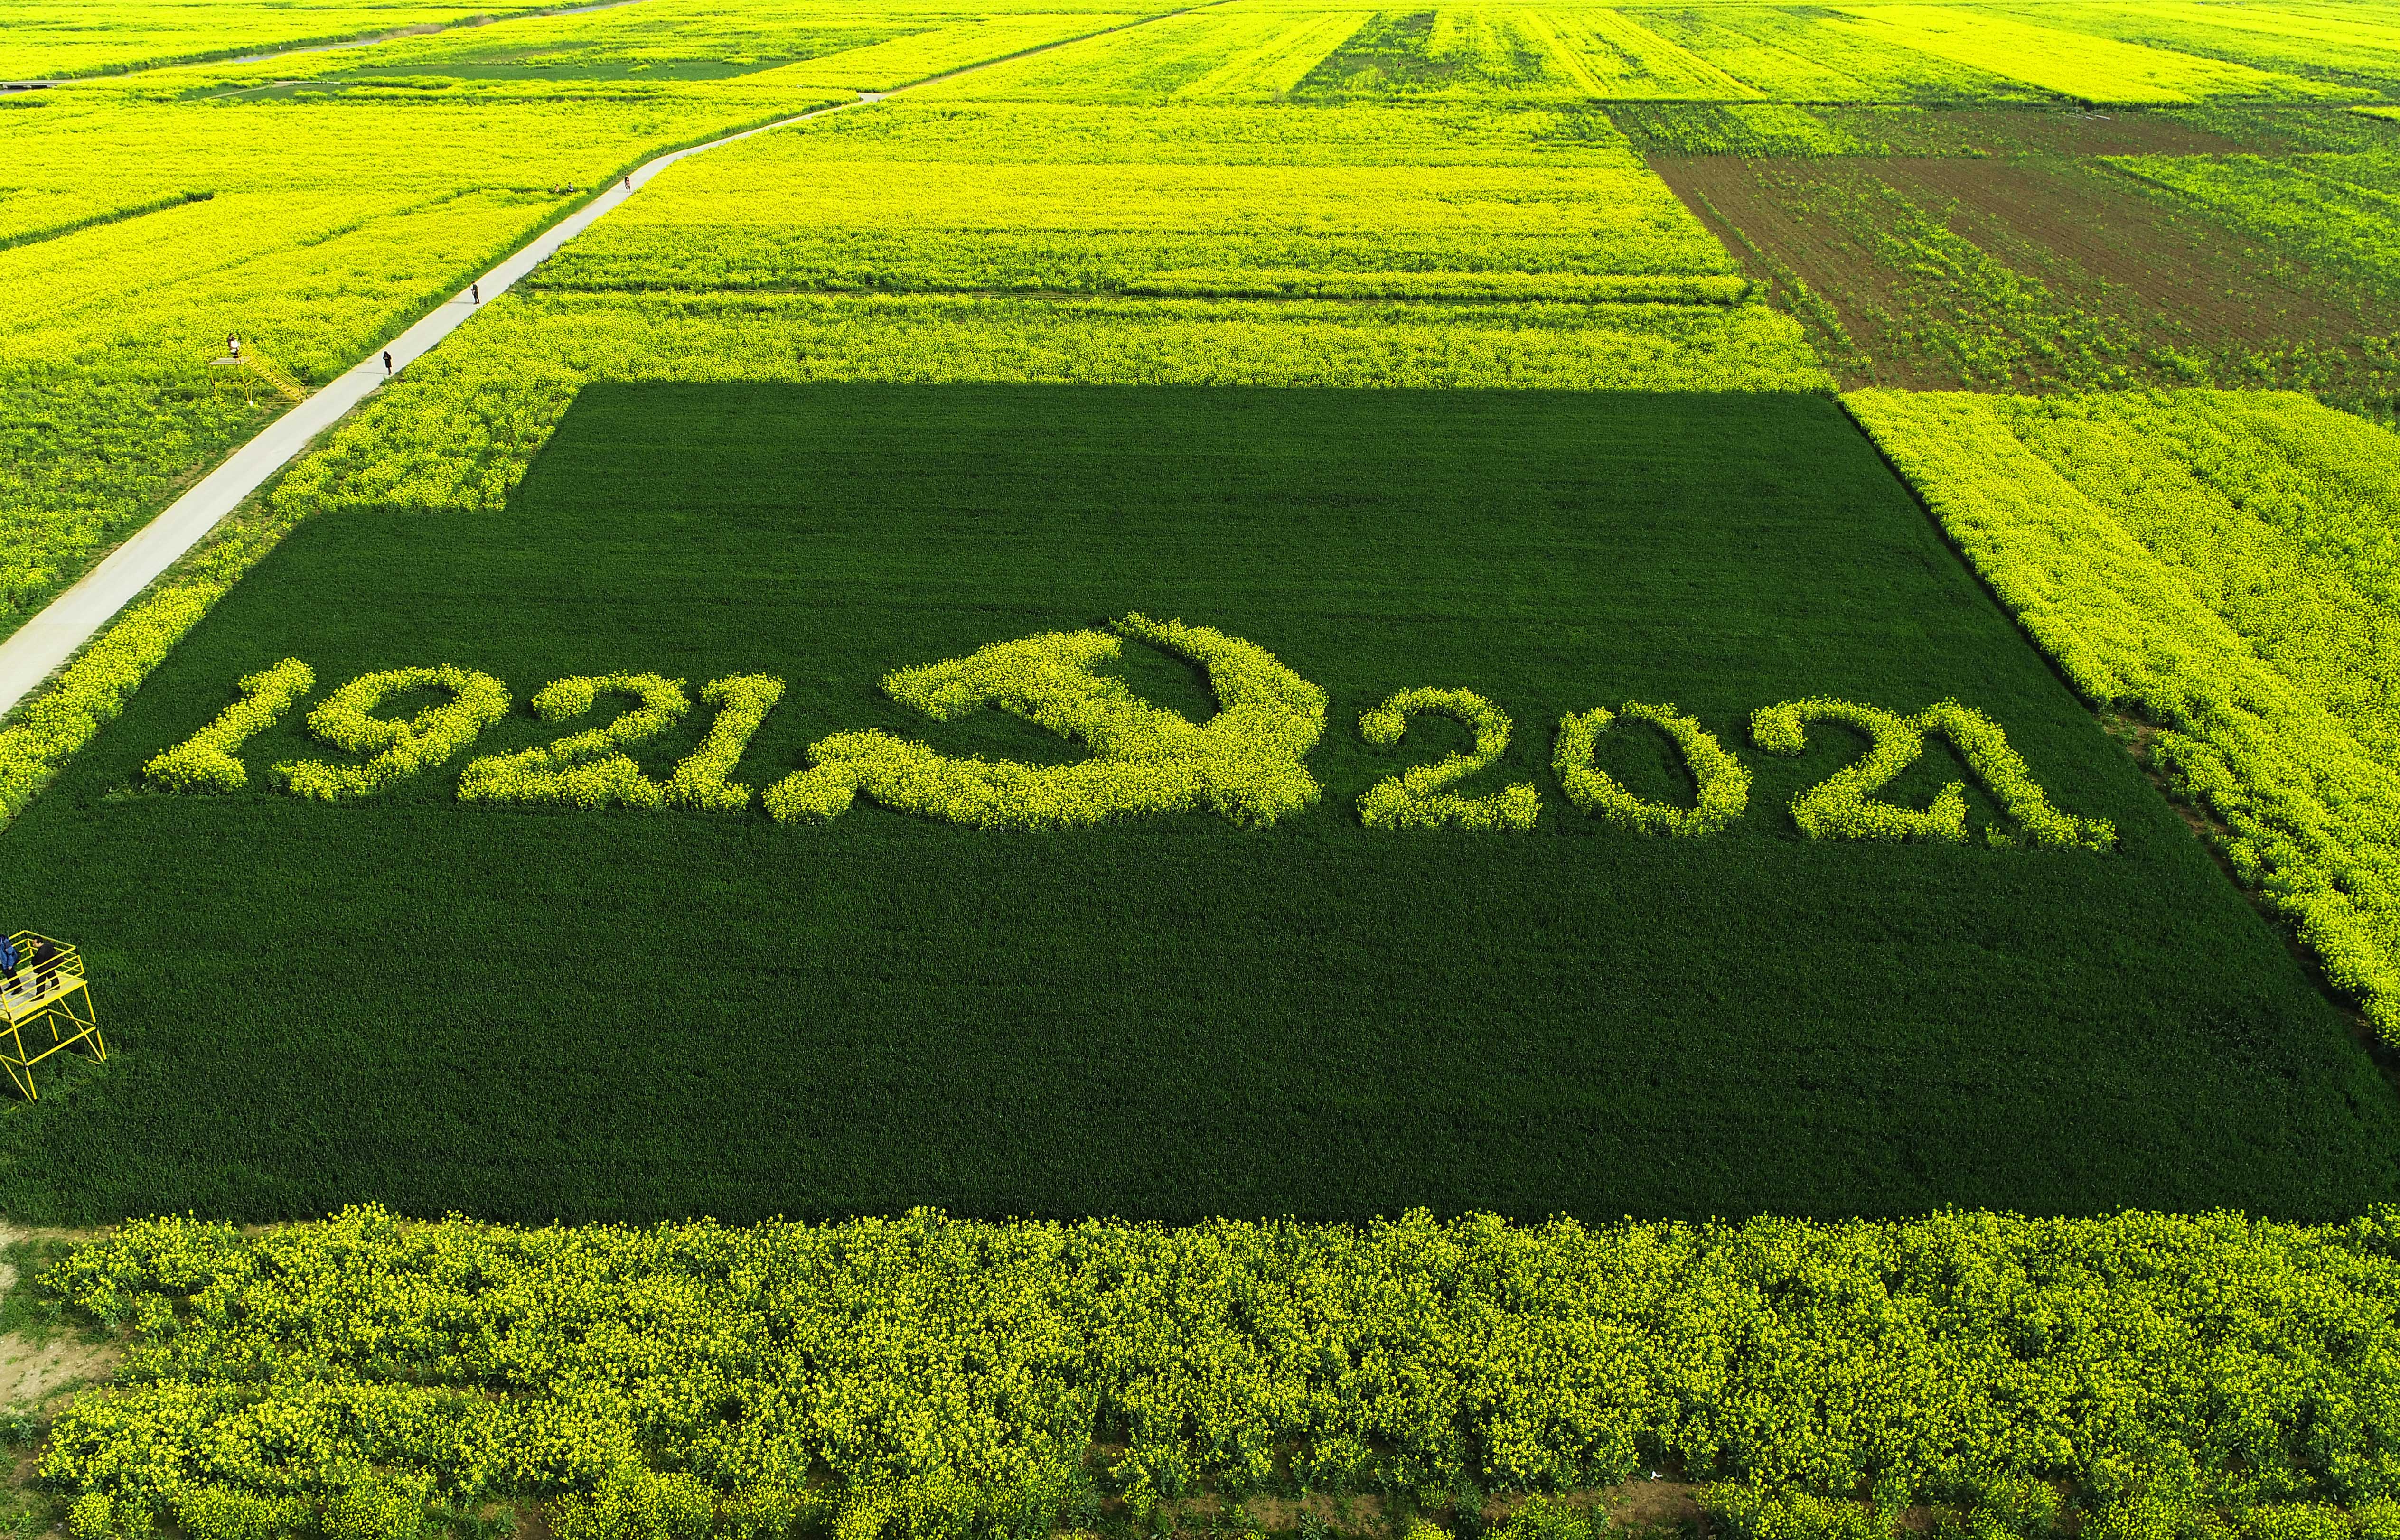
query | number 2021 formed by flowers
(1246,764)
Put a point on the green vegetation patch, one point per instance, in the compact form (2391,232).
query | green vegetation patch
(1756,129)
(1487,55)
(2337,210)
(1939,272)
(541,1013)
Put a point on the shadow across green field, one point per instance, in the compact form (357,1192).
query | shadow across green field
(623,1014)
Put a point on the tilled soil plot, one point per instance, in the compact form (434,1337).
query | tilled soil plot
(2077,275)
(1979,133)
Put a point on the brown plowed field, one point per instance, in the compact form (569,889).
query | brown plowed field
(1760,210)
(2094,239)
(1959,131)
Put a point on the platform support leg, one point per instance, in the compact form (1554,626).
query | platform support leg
(13,1055)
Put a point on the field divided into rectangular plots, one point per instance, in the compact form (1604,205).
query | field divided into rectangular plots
(2077,65)
(132,237)
(954,237)
(952,371)
(313,205)
(2012,249)
(59,39)
(2067,269)
(2354,45)
(1847,54)
(1232,53)
(529,1012)
(1269,611)
(1174,200)
(1798,54)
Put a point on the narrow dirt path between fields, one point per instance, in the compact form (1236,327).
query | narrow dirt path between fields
(43,644)
(38,1365)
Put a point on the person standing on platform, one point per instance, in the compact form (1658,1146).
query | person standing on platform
(46,966)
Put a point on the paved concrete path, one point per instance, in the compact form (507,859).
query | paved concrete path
(47,641)
(42,645)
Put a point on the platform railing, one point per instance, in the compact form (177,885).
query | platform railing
(49,999)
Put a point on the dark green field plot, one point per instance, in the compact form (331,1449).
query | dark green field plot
(613,1013)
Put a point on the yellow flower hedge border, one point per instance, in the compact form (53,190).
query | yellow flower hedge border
(2311,816)
(2135,1376)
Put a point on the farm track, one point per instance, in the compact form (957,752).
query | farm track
(325,45)
(45,644)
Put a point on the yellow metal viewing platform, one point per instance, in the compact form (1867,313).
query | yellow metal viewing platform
(251,364)
(285,386)
(50,993)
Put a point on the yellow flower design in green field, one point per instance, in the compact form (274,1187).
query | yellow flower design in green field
(1246,764)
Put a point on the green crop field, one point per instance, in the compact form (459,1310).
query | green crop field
(604,1012)
(1589,772)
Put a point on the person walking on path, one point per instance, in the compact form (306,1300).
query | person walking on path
(386,364)
(475,291)
(628,182)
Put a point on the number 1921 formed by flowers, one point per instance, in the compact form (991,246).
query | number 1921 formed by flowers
(743,701)
(588,769)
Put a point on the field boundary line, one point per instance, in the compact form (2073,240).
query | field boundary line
(48,640)
(327,44)
(93,222)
